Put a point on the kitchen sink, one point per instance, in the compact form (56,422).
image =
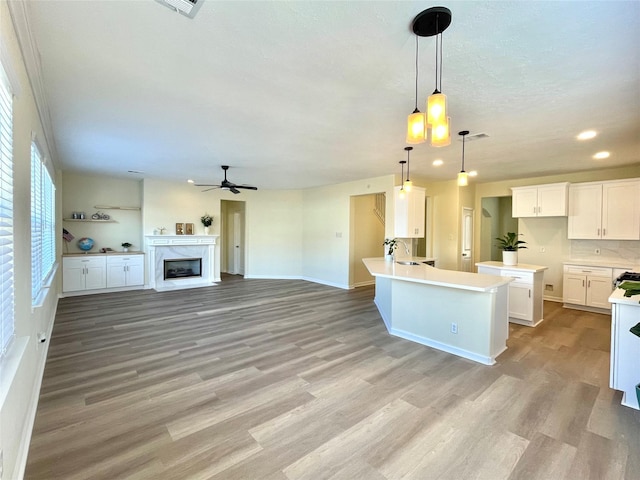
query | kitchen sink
(407,262)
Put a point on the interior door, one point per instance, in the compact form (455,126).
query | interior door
(237,243)
(467,239)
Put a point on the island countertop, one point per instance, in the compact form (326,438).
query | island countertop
(379,267)
(520,267)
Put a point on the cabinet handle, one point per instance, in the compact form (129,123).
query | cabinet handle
(598,232)
(604,232)
(539,209)
(589,284)
(529,293)
(583,283)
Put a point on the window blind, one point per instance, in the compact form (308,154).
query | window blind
(42,224)
(6,214)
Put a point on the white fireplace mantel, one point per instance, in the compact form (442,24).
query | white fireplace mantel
(165,247)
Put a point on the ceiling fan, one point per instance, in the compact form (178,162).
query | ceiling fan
(226,184)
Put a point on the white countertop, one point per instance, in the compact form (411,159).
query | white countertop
(605,263)
(379,267)
(618,297)
(521,267)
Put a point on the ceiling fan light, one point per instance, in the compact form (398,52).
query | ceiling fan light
(463,179)
(441,134)
(407,185)
(416,128)
(436,108)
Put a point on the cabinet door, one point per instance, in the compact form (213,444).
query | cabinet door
(95,276)
(116,275)
(72,276)
(621,210)
(574,288)
(417,212)
(401,214)
(135,273)
(585,211)
(552,200)
(598,291)
(524,202)
(521,301)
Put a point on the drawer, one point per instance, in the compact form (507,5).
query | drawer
(125,259)
(88,261)
(587,270)
(518,276)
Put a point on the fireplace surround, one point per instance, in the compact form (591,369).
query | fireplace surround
(182,249)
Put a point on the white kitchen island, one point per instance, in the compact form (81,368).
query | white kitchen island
(462,313)
(625,347)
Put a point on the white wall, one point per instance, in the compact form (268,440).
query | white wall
(81,193)
(22,367)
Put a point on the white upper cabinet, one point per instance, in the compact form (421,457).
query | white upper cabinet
(605,210)
(540,200)
(409,213)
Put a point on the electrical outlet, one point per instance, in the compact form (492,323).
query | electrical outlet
(548,287)
(543,249)
(454,328)
(597,251)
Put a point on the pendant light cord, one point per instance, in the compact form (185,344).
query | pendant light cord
(416,72)
(408,151)
(440,35)
(463,137)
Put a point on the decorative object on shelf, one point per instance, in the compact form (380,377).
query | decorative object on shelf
(407,183)
(207,221)
(160,231)
(390,247)
(510,245)
(189,228)
(125,246)
(100,216)
(463,179)
(67,235)
(402,192)
(428,23)
(179,228)
(85,244)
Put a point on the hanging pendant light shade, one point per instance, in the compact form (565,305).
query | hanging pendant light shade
(441,134)
(463,178)
(408,183)
(416,123)
(402,192)
(428,23)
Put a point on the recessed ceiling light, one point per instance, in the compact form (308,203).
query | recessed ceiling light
(473,173)
(190,181)
(437,163)
(601,155)
(587,135)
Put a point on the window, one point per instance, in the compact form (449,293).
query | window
(6,213)
(42,224)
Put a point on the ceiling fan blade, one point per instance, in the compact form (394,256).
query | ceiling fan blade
(234,190)
(211,187)
(247,187)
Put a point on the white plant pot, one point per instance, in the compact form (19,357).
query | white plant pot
(125,249)
(388,258)
(510,258)
(206,230)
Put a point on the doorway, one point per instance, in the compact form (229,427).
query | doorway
(367,214)
(466,245)
(495,221)
(232,237)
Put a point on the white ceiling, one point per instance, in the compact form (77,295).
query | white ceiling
(301,94)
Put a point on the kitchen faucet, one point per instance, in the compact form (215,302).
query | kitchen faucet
(406,248)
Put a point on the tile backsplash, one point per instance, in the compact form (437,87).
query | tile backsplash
(619,251)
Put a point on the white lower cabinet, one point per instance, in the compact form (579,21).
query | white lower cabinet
(96,273)
(525,291)
(587,286)
(83,273)
(125,270)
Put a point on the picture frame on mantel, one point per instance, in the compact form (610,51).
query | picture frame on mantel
(189,228)
(179,228)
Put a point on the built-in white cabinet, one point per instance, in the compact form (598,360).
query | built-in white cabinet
(125,270)
(625,347)
(525,291)
(409,213)
(605,210)
(93,273)
(548,200)
(83,273)
(587,286)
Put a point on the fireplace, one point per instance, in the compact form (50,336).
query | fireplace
(182,268)
(181,261)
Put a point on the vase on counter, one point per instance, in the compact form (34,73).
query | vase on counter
(388,258)
(510,257)
(206,230)
(125,249)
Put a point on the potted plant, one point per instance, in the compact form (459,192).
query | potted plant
(510,245)
(390,245)
(206,220)
(125,246)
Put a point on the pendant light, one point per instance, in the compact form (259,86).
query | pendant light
(416,123)
(408,183)
(428,23)
(463,179)
(401,193)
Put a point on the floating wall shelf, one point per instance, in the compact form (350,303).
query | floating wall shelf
(114,207)
(87,220)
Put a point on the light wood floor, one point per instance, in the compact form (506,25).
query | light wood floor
(284,379)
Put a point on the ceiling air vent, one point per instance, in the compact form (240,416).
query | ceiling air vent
(188,8)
